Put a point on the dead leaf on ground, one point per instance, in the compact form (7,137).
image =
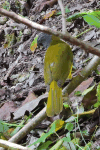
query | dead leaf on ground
(6,109)
(47,16)
(31,96)
(34,44)
(83,86)
(2,92)
(89,99)
(50,14)
(96,114)
(44,4)
(29,106)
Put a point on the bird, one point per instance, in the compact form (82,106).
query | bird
(58,62)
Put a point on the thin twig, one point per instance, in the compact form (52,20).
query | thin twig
(63,17)
(12,67)
(9,145)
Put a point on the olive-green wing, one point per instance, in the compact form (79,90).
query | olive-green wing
(57,63)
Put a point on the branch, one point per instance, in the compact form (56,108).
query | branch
(9,145)
(29,126)
(82,75)
(63,16)
(48,30)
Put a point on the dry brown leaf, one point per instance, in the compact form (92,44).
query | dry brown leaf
(50,14)
(31,96)
(83,86)
(44,4)
(6,109)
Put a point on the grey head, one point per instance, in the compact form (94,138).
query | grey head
(44,40)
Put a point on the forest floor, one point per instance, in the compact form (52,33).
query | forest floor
(22,87)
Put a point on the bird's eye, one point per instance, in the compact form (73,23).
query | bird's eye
(39,45)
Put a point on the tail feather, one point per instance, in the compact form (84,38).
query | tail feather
(55,103)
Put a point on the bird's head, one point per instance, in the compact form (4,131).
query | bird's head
(44,40)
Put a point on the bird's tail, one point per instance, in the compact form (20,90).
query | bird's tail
(55,103)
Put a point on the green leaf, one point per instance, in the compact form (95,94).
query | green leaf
(57,145)
(97,72)
(69,126)
(88,90)
(77,93)
(3,127)
(92,20)
(88,146)
(68,138)
(45,135)
(44,145)
(91,17)
(95,13)
(85,132)
(98,96)
(75,16)
(67,10)
(54,127)
(97,104)
(68,144)
(66,105)
(98,92)
(58,124)
(34,44)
